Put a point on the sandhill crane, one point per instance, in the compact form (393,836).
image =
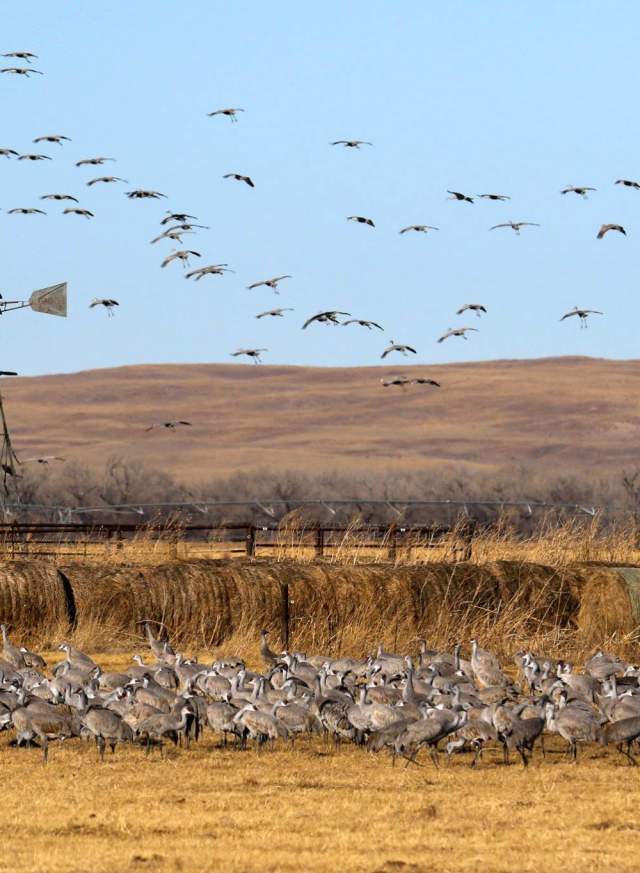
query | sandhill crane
(515,225)
(52,138)
(418,228)
(74,210)
(107,727)
(106,180)
(230,113)
(398,347)
(456,331)
(59,197)
(269,283)
(471,307)
(362,322)
(43,459)
(259,726)
(328,317)
(423,380)
(31,724)
(182,255)
(580,190)
(10,652)
(22,56)
(142,194)
(622,732)
(240,178)
(107,302)
(400,381)
(36,157)
(6,153)
(161,648)
(171,425)
(173,235)
(628,183)
(21,71)
(210,270)
(575,723)
(582,314)
(157,728)
(274,313)
(25,211)
(93,162)
(351,143)
(493,196)
(457,195)
(177,216)
(428,732)
(250,353)
(605,228)
(361,220)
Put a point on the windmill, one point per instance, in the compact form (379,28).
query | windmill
(50,301)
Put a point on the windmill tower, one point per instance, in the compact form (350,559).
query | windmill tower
(8,462)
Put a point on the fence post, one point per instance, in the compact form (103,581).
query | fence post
(393,544)
(250,541)
(284,616)
(468,534)
(319,549)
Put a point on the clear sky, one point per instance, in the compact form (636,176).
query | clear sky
(517,98)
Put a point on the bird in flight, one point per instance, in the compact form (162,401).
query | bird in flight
(456,331)
(177,216)
(274,313)
(401,381)
(171,425)
(419,228)
(582,314)
(328,317)
(25,211)
(211,270)
(21,71)
(270,283)
(107,302)
(174,234)
(92,162)
(628,183)
(250,353)
(74,210)
(22,56)
(8,373)
(361,220)
(240,178)
(398,347)
(422,380)
(351,143)
(581,190)
(607,227)
(183,255)
(141,194)
(515,225)
(473,307)
(456,195)
(59,197)
(54,138)
(106,179)
(493,197)
(45,459)
(6,153)
(34,158)
(230,113)
(363,323)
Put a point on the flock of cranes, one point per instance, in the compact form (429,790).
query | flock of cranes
(175,225)
(402,703)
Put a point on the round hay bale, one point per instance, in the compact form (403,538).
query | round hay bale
(32,598)
(610,603)
(108,599)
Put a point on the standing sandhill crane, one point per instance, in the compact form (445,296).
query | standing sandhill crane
(107,302)
(269,283)
(44,726)
(74,210)
(106,180)
(230,113)
(31,157)
(250,353)
(59,197)
(143,194)
(428,732)
(628,183)
(170,425)
(52,138)
(361,220)
(270,657)
(580,190)
(25,211)
(11,653)
(328,317)
(182,255)
(210,270)
(582,314)
(515,225)
(362,322)
(259,726)
(493,196)
(398,347)
(456,331)
(622,732)
(158,727)
(6,153)
(605,228)
(576,722)
(107,727)
(21,56)
(418,228)
(472,307)
(274,313)
(401,381)
(21,71)
(457,195)
(351,143)
(240,178)
(93,162)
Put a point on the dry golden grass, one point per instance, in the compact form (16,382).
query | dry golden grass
(311,809)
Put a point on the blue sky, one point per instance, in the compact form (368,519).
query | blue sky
(521,99)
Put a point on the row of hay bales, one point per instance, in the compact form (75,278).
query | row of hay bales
(206,602)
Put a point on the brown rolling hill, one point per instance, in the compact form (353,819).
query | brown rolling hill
(555,413)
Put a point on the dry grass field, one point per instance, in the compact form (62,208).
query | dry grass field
(573,412)
(311,809)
